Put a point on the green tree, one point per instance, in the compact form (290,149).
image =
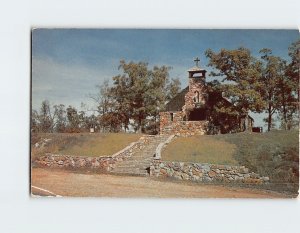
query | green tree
(293,69)
(240,83)
(34,123)
(60,118)
(45,118)
(273,84)
(136,97)
(173,88)
(289,89)
(73,120)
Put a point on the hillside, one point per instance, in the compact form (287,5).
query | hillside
(82,144)
(274,154)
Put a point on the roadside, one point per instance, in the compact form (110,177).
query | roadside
(67,183)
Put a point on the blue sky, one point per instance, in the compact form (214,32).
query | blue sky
(67,64)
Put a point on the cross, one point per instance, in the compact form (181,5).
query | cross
(197,60)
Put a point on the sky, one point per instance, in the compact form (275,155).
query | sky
(67,64)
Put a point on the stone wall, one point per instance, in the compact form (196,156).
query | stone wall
(195,85)
(180,127)
(176,122)
(205,172)
(99,163)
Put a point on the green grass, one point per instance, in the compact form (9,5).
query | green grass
(274,154)
(201,149)
(83,144)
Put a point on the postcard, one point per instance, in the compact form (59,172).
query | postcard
(165,113)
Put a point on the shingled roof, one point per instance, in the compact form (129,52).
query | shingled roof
(177,102)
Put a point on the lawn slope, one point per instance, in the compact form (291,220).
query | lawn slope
(274,154)
(82,144)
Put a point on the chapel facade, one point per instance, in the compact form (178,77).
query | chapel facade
(191,111)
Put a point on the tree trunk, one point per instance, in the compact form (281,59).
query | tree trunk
(269,119)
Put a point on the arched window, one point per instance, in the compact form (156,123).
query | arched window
(196,97)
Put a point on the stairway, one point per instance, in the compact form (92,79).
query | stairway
(140,161)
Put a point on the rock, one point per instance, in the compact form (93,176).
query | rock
(244,170)
(231,178)
(212,174)
(207,179)
(80,163)
(185,176)
(60,162)
(265,179)
(254,175)
(163,172)
(247,176)
(95,164)
(72,163)
(253,181)
(206,167)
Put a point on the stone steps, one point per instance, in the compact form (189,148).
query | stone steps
(138,163)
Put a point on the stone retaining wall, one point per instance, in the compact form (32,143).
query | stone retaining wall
(179,126)
(205,172)
(99,163)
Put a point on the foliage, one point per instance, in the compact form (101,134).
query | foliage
(61,120)
(272,73)
(267,84)
(240,74)
(136,97)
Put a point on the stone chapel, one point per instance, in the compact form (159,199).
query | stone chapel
(191,111)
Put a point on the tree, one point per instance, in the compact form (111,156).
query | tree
(60,118)
(273,84)
(289,86)
(34,124)
(136,97)
(138,77)
(45,118)
(73,120)
(173,88)
(293,69)
(240,74)
(161,90)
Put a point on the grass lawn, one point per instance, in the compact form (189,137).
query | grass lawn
(201,149)
(82,144)
(274,154)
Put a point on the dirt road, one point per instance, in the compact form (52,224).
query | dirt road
(66,183)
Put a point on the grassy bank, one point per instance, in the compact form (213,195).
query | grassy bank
(82,144)
(274,154)
(200,149)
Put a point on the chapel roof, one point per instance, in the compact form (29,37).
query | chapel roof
(177,102)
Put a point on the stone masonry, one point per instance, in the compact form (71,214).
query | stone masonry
(180,127)
(97,163)
(205,172)
(135,159)
(190,111)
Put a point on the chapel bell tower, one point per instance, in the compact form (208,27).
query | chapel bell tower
(196,71)
(195,98)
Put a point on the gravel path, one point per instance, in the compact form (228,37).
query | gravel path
(66,183)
